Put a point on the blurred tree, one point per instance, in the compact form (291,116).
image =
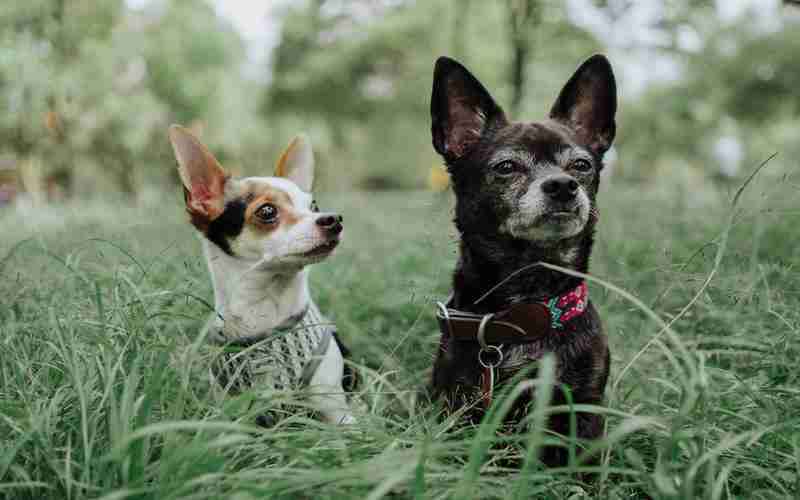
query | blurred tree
(361,70)
(188,49)
(90,86)
(43,40)
(462,10)
(524,17)
(343,62)
(740,83)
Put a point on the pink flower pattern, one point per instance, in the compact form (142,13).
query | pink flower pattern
(568,306)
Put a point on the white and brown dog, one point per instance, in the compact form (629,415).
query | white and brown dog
(259,236)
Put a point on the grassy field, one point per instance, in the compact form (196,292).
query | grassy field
(104,387)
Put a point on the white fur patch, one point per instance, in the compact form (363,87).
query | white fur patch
(532,218)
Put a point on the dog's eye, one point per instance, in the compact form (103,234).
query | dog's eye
(267,212)
(582,165)
(505,168)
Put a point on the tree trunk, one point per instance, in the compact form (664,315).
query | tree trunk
(523,16)
(460,16)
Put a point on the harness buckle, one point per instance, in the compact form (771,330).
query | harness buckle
(446,315)
(495,359)
(490,357)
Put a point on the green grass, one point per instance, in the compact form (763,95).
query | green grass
(104,387)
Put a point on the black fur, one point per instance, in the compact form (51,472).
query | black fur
(350,377)
(228,225)
(469,129)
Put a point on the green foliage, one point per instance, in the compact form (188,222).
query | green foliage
(367,77)
(186,75)
(88,87)
(741,82)
(760,78)
(91,87)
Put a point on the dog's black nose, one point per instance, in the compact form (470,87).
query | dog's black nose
(331,223)
(561,188)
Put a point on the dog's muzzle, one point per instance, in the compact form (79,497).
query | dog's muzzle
(561,188)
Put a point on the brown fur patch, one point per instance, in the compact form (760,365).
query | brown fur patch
(281,167)
(260,195)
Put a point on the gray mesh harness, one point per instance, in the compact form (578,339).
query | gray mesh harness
(284,358)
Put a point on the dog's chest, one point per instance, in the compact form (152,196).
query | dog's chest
(285,359)
(518,356)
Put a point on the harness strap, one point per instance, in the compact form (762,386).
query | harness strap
(520,325)
(489,357)
(282,358)
(316,358)
(487,386)
(233,339)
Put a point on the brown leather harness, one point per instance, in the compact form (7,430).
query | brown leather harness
(517,325)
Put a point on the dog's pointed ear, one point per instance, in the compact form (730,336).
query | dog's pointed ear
(462,110)
(588,102)
(202,176)
(296,163)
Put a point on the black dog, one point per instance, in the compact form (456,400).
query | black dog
(525,193)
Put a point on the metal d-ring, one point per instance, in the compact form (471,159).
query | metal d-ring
(487,350)
(446,314)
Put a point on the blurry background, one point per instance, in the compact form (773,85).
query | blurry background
(88,87)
